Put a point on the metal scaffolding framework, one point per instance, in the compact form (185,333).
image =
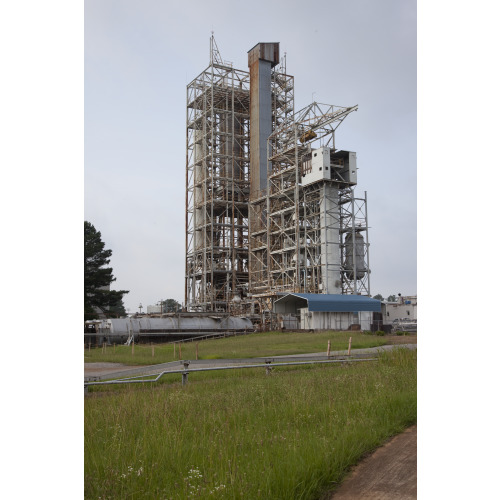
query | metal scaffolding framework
(303,230)
(303,240)
(355,270)
(217,186)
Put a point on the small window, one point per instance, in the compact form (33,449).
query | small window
(315,154)
(326,168)
(321,168)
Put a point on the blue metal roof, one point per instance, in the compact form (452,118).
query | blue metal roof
(335,303)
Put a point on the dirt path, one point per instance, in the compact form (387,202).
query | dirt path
(390,473)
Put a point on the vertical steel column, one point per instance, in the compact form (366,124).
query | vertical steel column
(367,246)
(268,208)
(230,297)
(297,213)
(211,297)
(354,259)
(187,276)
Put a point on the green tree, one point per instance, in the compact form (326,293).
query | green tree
(97,278)
(117,311)
(378,297)
(171,305)
(391,298)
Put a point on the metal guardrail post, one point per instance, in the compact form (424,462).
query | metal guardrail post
(269,369)
(186,373)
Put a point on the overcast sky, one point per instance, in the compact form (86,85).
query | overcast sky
(139,57)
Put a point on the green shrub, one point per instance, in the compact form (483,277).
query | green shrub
(380,333)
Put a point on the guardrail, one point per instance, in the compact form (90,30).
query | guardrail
(268,365)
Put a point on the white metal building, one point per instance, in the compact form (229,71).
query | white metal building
(405,308)
(329,311)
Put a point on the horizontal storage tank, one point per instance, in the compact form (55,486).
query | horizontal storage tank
(177,326)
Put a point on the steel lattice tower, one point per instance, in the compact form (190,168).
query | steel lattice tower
(270,204)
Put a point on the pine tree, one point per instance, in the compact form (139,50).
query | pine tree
(98,298)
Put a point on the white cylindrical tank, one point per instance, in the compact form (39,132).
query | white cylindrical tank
(355,254)
(123,327)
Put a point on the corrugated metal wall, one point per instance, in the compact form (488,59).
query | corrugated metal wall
(333,320)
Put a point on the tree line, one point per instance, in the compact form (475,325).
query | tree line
(391,298)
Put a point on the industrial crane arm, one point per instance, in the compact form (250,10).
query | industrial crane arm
(317,122)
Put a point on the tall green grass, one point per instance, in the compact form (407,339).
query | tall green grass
(242,434)
(248,346)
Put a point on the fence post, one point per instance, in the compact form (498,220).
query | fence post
(328,349)
(349,350)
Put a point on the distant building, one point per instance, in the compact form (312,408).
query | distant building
(155,309)
(405,308)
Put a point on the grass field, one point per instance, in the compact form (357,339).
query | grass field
(242,434)
(248,346)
